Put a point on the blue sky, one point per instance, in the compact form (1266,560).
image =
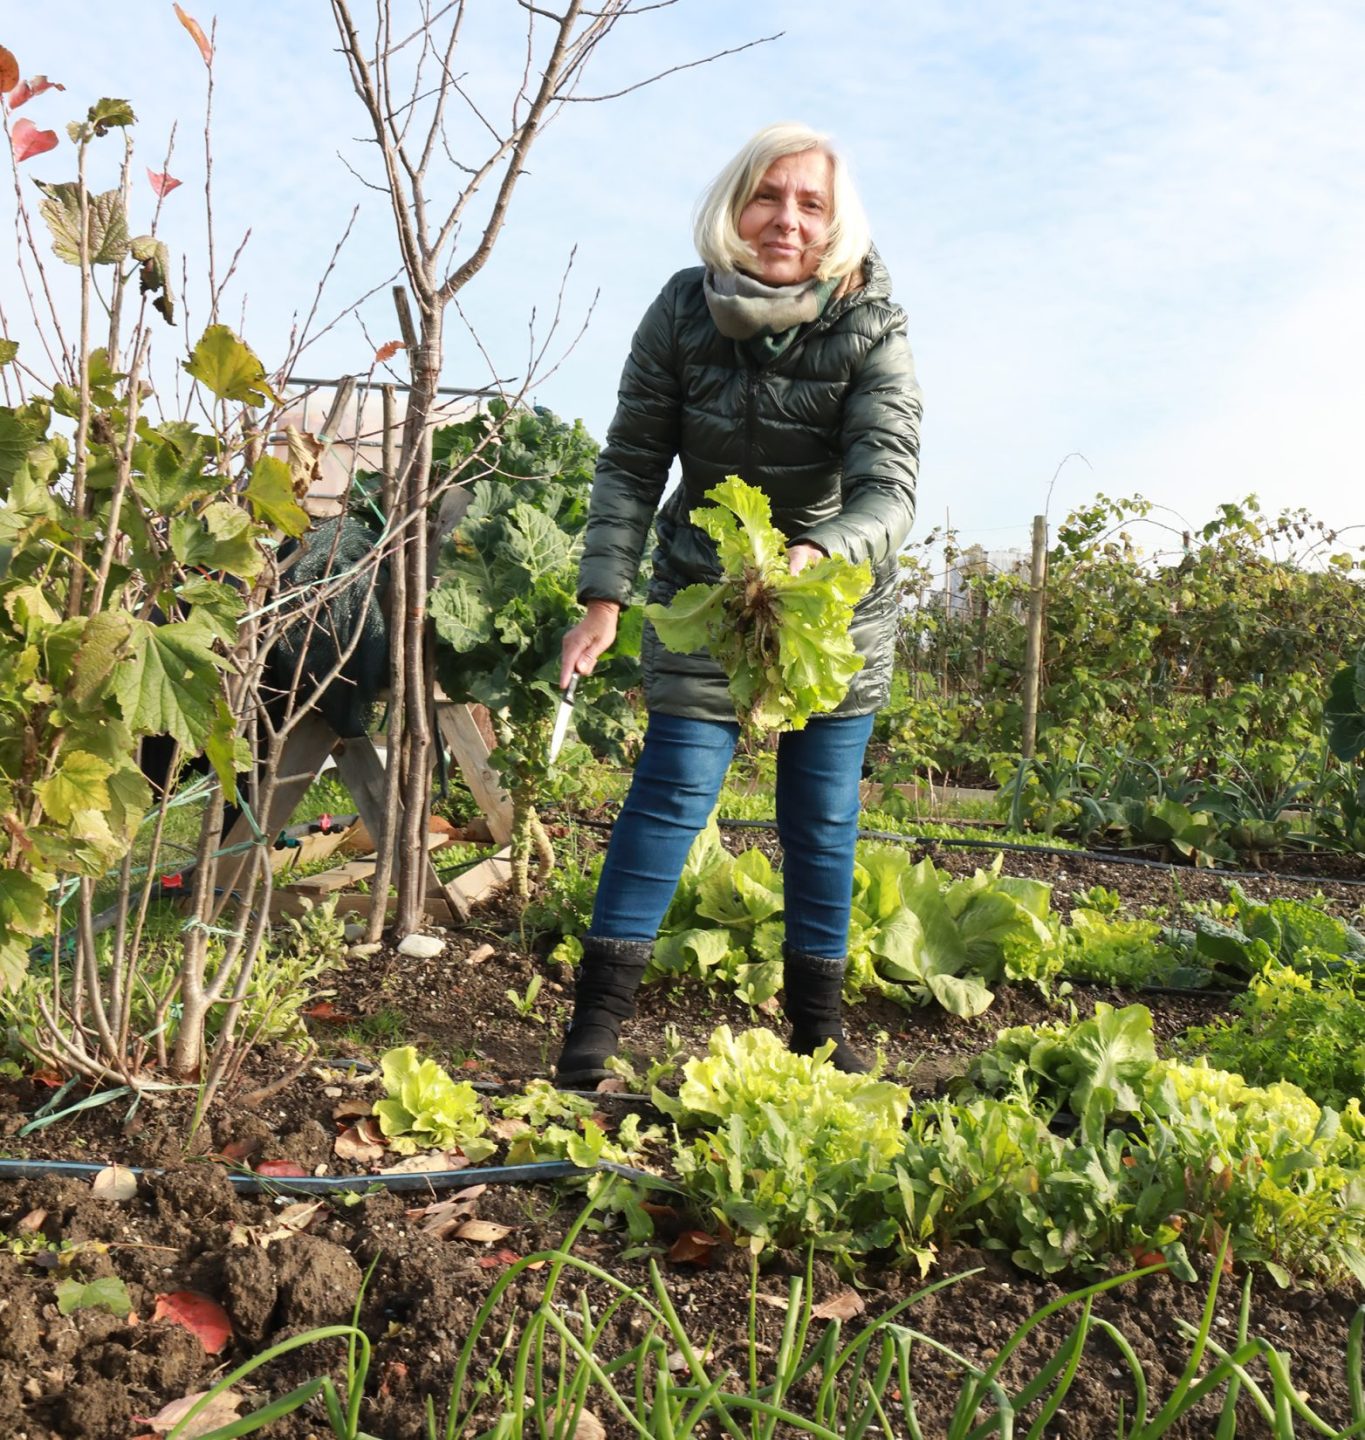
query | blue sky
(1132,232)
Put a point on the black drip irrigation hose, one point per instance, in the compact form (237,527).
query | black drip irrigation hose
(1108,857)
(247,1182)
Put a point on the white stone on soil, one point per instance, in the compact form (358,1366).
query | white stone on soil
(421,947)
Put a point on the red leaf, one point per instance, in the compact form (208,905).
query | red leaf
(395,1370)
(388,351)
(9,69)
(281,1169)
(205,1319)
(25,90)
(498,1257)
(196,33)
(52,1079)
(163,184)
(325,1010)
(240,1149)
(28,140)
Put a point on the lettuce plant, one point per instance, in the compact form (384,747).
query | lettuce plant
(1096,1068)
(1290,1026)
(782,639)
(426,1110)
(791,1150)
(949,940)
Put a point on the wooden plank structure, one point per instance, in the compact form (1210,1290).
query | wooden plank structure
(307,750)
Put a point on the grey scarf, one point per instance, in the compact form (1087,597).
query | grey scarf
(764,315)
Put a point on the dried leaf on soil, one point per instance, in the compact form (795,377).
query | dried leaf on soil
(394,1370)
(498,1257)
(353,1110)
(482,1232)
(31,1223)
(693,1247)
(843,1306)
(423,1164)
(324,1010)
(509,1128)
(114,1182)
(205,1319)
(361,1143)
(221,1410)
(586,1427)
(240,1150)
(292,1220)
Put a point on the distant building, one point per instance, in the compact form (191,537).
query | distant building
(976,560)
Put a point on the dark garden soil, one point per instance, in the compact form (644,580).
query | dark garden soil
(91,1376)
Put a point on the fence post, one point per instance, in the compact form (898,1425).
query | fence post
(1033,658)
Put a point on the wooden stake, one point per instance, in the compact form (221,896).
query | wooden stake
(1034,656)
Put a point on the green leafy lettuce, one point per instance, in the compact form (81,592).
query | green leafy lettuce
(1095,1068)
(791,1149)
(426,1110)
(782,639)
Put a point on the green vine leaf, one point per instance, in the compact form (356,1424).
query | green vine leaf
(216,605)
(23,904)
(13,962)
(16,438)
(169,685)
(168,470)
(106,223)
(270,493)
(222,538)
(105,114)
(8,350)
(109,1293)
(226,751)
(77,785)
(229,367)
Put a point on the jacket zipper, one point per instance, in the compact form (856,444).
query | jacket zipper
(750,421)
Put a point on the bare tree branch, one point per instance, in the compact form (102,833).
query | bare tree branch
(672,70)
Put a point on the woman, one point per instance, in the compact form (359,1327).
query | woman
(783,360)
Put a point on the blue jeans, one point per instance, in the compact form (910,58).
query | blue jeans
(674,790)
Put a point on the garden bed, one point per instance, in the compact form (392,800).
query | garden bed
(87,1375)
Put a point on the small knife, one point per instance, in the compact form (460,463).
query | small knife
(562,719)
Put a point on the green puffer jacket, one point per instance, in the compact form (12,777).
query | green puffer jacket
(829,430)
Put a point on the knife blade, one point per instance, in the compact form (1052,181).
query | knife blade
(561,719)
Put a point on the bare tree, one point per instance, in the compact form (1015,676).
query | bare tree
(410,103)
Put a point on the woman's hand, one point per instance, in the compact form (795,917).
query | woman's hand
(586,642)
(799,556)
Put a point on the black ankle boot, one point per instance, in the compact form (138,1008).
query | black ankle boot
(604,995)
(812,988)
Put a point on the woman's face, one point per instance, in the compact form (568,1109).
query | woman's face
(787,221)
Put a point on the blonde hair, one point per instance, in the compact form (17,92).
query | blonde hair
(715,229)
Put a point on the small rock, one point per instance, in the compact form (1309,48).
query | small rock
(361,952)
(356,932)
(479,955)
(421,947)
